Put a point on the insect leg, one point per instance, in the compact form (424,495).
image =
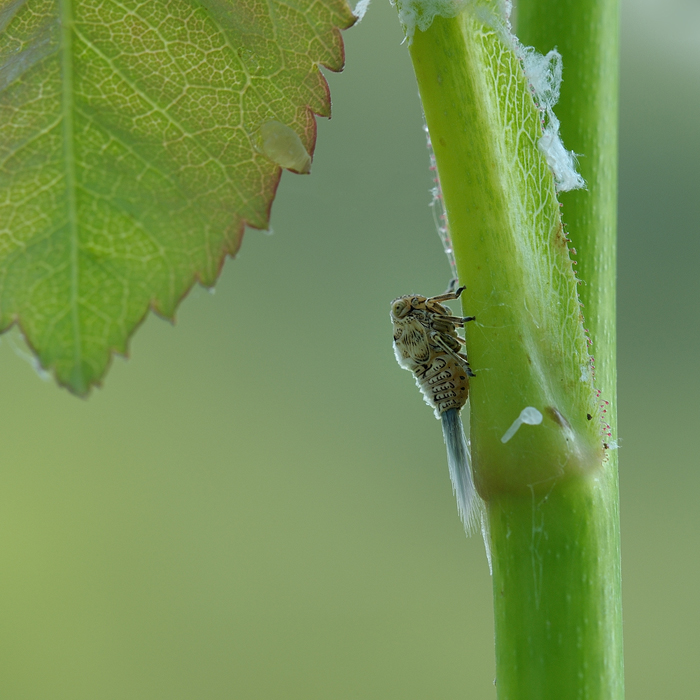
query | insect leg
(457,320)
(448,295)
(453,284)
(463,360)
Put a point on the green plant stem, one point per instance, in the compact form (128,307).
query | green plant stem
(586,33)
(528,343)
(551,490)
(556,594)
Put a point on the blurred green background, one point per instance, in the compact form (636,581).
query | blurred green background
(257,506)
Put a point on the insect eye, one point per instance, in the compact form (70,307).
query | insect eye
(399,308)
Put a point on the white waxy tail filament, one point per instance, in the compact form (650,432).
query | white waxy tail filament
(459,461)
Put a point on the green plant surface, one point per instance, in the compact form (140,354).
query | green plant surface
(131,157)
(221,522)
(551,489)
(528,339)
(587,34)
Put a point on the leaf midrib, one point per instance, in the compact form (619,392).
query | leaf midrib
(69,157)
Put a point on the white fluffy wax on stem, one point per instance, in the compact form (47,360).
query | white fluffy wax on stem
(543,72)
(419,14)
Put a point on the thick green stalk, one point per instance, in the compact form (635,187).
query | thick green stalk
(586,33)
(556,595)
(551,489)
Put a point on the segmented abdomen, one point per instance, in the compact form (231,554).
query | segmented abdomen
(444,383)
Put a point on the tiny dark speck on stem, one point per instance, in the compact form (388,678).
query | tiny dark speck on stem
(589,416)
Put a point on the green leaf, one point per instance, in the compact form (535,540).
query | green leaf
(131,155)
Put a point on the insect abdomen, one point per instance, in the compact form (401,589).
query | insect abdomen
(444,383)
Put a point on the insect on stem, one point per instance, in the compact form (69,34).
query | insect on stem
(426,343)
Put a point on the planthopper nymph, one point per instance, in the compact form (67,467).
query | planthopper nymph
(427,344)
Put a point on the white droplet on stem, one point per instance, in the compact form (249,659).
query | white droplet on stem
(529,416)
